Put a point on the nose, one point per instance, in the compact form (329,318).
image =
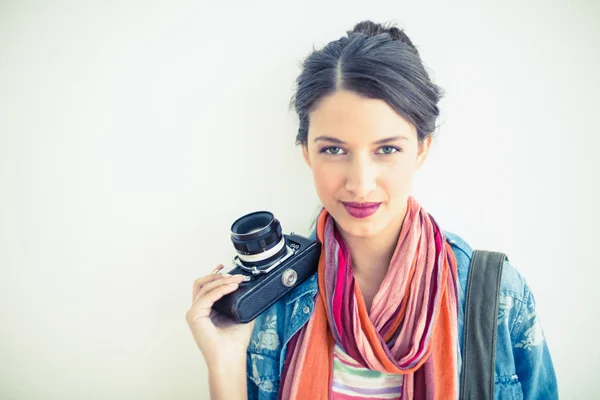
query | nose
(361,178)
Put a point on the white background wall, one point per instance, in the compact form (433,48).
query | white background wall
(132,135)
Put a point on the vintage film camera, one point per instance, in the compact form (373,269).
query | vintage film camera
(272,262)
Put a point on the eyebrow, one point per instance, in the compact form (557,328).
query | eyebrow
(381,141)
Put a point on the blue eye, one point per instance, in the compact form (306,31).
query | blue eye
(388,150)
(332,150)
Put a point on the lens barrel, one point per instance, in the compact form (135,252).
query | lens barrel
(254,235)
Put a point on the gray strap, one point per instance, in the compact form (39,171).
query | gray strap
(481,314)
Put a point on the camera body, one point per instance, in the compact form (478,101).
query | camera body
(273,264)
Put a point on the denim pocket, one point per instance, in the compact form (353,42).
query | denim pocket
(507,388)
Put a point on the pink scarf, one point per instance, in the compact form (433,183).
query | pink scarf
(411,329)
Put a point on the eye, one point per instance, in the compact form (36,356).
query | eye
(388,150)
(332,150)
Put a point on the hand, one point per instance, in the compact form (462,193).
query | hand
(218,337)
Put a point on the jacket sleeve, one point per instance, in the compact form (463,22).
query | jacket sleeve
(533,363)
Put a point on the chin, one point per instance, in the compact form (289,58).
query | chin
(360,228)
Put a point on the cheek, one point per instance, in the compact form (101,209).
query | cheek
(328,179)
(396,181)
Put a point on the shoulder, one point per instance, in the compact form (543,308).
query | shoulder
(512,281)
(523,363)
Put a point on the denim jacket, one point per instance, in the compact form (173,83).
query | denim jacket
(523,369)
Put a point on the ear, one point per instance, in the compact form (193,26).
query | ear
(423,151)
(305,154)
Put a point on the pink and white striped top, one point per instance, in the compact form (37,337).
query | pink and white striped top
(351,381)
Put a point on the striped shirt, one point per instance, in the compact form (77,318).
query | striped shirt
(351,381)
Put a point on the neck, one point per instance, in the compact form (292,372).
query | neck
(371,256)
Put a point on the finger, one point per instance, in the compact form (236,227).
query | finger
(198,283)
(218,268)
(224,280)
(202,306)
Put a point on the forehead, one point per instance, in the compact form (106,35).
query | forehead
(351,117)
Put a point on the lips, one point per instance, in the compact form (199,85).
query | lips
(361,210)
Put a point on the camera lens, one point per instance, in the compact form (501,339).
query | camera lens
(258,238)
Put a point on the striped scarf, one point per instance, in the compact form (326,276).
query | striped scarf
(411,329)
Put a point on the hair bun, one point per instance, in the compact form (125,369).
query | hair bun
(371,28)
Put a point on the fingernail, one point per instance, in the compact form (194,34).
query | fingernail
(220,267)
(227,275)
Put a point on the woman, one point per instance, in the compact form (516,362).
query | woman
(384,315)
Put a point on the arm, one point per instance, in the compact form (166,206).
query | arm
(532,358)
(227,380)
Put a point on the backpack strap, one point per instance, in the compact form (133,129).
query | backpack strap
(481,314)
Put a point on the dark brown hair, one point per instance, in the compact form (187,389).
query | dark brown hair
(375,61)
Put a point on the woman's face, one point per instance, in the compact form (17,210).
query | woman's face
(363,156)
